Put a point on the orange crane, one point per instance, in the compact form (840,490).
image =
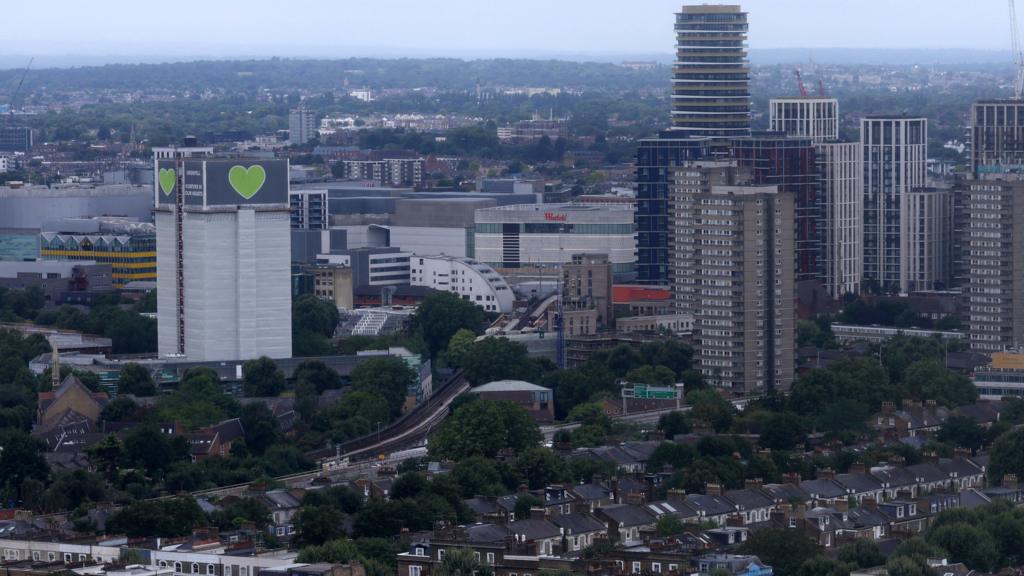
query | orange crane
(800,83)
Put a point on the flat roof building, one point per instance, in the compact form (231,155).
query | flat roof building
(537,236)
(224,254)
(471,280)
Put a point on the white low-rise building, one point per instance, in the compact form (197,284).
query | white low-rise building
(473,281)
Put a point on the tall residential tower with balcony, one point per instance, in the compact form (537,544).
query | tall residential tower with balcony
(711,77)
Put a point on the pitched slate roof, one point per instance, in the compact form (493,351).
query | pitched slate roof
(893,477)
(862,516)
(960,467)
(749,498)
(859,483)
(927,473)
(592,491)
(480,505)
(577,523)
(786,492)
(628,515)
(677,508)
(823,488)
(487,533)
(710,504)
(534,529)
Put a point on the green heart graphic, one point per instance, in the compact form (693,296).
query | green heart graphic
(247,181)
(167,180)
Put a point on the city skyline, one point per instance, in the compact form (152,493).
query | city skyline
(318,29)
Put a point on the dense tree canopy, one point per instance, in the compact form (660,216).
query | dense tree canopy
(441,315)
(482,428)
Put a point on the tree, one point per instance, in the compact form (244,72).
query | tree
(862,553)
(458,346)
(962,431)
(539,466)
(318,524)
(482,428)
(106,455)
(492,359)
(21,458)
(783,432)
(136,380)
(673,424)
(462,562)
(334,551)
(965,543)
(118,409)
(930,380)
(821,566)
(524,504)
(785,550)
(669,525)
(678,456)
(72,489)
(311,314)
(156,518)
(320,375)
(478,476)
(261,377)
(710,407)
(908,566)
(440,315)
(387,376)
(652,375)
(149,448)
(261,427)
(1007,456)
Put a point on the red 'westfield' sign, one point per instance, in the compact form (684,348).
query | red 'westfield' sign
(552,217)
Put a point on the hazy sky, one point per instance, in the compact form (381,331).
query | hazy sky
(183,28)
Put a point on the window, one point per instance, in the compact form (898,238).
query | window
(227,571)
(415,570)
(195,568)
(440,553)
(490,558)
(177,567)
(673,567)
(81,557)
(51,556)
(210,570)
(636,567)
(656,567)
(35,555)
(419,551)
(476,556)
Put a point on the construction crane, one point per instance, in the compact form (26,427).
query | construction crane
(17,89)
(800,83)
(1018,85)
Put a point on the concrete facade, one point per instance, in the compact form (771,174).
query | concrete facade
(994,261)
(811,117)
(744,288)
(895,155)
(587,283)
(842,188)
(471,280)
(547,235)
(997,135)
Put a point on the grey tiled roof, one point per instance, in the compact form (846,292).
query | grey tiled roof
(628,515)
